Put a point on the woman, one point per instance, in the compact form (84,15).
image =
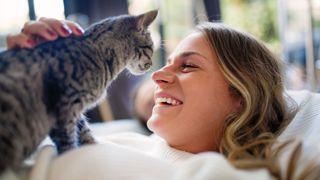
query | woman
(221,91)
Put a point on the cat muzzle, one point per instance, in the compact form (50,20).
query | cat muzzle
(139,68)
(147,65)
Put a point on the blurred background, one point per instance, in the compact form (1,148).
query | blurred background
(291,28)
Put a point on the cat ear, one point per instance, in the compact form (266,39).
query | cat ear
(145,19)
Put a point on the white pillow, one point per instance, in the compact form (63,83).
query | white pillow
(305,127)
(306,123)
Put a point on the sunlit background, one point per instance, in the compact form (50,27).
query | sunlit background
(291,28)
(13,14)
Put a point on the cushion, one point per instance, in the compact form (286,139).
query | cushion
(306,123)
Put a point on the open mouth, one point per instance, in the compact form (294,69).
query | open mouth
(167,101)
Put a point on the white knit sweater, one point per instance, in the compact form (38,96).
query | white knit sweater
(134,156)
(153,146)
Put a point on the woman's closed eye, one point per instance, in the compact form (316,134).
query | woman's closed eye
(187,67)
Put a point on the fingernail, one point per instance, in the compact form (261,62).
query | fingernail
(79,30)
(30,42)
(51,33)
(65,30)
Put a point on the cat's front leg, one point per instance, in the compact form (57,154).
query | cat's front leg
(84,133)
(64,135)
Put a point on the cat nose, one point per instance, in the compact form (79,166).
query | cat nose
(147,65)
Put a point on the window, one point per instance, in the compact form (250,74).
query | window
(283,25)
(49,8)
(14,13)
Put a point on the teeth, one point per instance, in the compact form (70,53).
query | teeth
(167,100)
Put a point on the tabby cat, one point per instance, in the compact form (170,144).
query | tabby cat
(46,90)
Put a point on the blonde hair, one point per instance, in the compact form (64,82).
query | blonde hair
(254,73)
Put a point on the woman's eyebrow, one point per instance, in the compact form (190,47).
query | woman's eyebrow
(184,55)
(190,53)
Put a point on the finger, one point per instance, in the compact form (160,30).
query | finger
(19,41)
(38,28)
(60,27)
(75,28)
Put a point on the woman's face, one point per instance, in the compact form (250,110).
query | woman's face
(192,98)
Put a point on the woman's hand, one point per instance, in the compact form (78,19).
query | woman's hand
(43,30)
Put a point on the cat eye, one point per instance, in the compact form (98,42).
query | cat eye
(146,47)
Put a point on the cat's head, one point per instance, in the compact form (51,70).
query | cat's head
(143,45)
(129,37)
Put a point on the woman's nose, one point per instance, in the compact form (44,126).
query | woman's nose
(163,76)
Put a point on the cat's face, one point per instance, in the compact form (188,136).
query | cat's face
(141,44)
(141,61)
(130,38)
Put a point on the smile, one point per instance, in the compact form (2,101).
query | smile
(167,101)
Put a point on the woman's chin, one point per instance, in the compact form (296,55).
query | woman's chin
(154,123)
(150,123)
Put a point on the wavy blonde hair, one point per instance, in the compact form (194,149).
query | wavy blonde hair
(255,74)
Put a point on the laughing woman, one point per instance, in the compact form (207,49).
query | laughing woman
(219,107)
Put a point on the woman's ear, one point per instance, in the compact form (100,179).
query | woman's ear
(145,19)
(238,99)
(240,104)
